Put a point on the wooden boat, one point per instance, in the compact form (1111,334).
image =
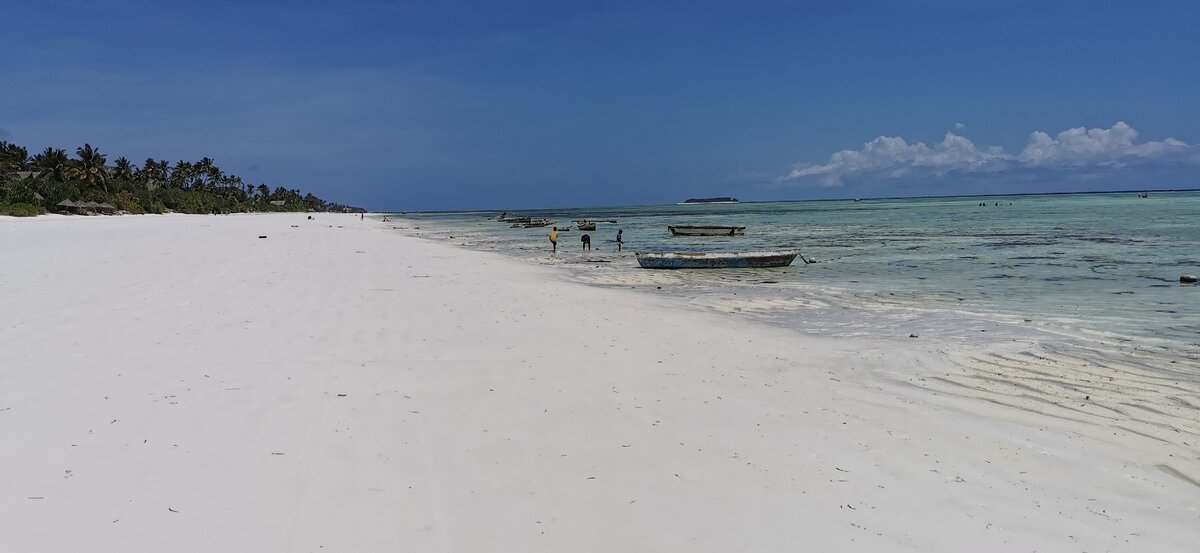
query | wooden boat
(686,230)
(533,223)
(585,225)
(715,260)
(505,218)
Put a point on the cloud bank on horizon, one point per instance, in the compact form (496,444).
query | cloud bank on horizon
(1079,152)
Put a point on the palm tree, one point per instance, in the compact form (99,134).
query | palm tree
(91,166)
(122,174)
(50,158)
(200,173)
(216,177)
(122,168)
(181,174)
(153,173)
(54,162)
(163,171)
(13,157)
(234,181)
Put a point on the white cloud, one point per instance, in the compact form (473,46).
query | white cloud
(959,126)
(1085,152)
(1080,147)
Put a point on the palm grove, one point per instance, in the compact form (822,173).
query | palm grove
(30,185)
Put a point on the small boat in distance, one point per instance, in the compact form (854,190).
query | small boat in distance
(721,200)
(689,230)
(585,225)
(526,222)
(715,260)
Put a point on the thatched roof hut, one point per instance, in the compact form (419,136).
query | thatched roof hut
(72,206)
(86,207)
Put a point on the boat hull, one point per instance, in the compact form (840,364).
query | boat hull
(680,230)
(715,260)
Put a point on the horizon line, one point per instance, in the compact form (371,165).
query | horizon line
(924,197)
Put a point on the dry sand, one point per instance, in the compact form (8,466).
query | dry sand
(175,383)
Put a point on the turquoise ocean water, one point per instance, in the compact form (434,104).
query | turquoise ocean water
(1102,268)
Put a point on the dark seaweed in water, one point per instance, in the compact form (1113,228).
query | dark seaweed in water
(1020,243)
(1003,234)
(1114,240)
(1072,278)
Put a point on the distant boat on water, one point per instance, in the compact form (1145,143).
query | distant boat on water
(721,200)
(689,230)
(526,222)
(715,260)
(585,225)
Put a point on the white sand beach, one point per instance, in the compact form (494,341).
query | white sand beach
(176,383)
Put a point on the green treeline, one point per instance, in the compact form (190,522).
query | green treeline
(31,185)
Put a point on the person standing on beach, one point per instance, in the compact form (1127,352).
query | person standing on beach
(619,240)
(587,242)
(553,240)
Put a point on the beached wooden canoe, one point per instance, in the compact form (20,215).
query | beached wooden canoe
(687,230)
(715,260)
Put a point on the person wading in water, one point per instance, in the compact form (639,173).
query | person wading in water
(553,240)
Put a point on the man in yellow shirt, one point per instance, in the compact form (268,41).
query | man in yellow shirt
(554,240)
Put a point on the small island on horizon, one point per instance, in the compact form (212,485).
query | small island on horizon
(718,200)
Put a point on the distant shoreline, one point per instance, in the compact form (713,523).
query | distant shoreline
(847,199)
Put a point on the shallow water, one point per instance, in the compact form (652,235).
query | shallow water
(1098,267)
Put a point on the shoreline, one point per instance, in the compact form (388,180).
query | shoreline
(998,356)
(993,356)
(1133,307)
(503,408)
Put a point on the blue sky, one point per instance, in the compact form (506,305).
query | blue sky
(455,105)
